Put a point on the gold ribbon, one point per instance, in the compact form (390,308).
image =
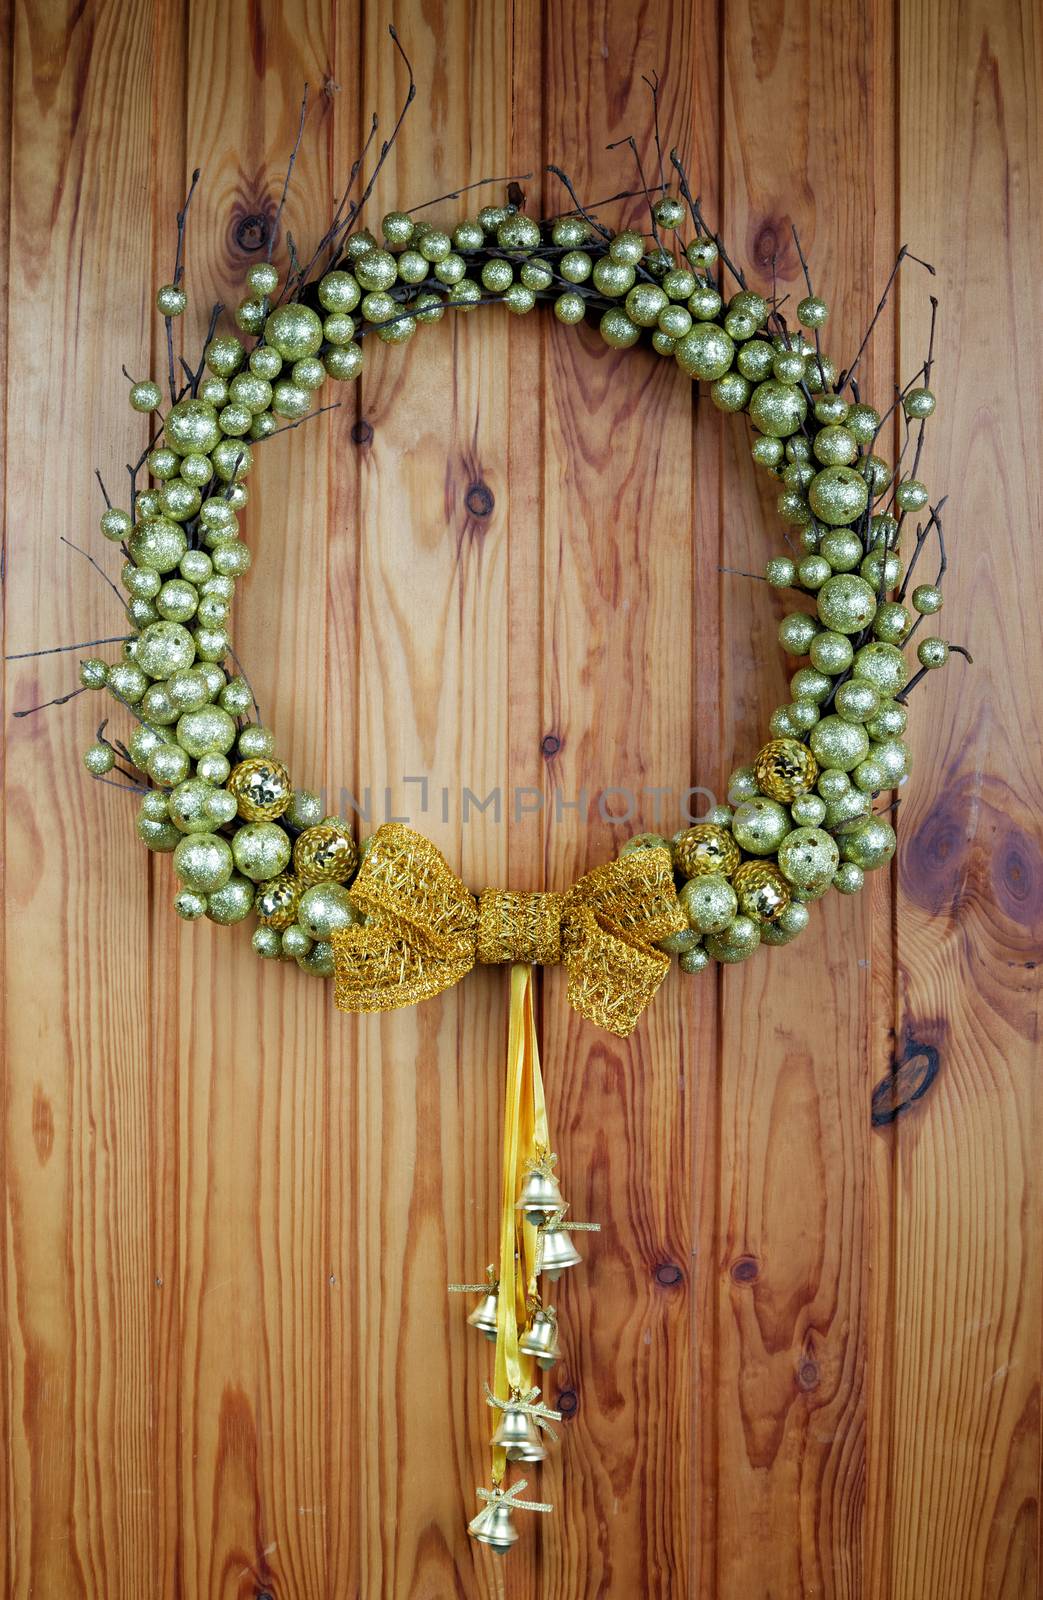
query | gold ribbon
(425,930)
(531,1404)
(508,1497)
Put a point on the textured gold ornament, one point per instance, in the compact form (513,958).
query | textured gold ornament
(325,853)
(706,847)
(784,769)
(762,891)
(277,900)
(261,788)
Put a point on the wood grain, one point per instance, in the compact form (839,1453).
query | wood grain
(804,1356)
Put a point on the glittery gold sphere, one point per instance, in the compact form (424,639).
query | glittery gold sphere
(706,847)
(327,852)
(762,890)
(276,901)
(261,788)
(784,769)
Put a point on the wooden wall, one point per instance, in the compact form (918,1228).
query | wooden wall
(804,1357)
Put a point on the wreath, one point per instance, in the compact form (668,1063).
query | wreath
(388,919)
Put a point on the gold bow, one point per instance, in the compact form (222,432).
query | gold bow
(425,930)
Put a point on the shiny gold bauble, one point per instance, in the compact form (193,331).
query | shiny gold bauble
(261,788)
(784,769)
(706,847)
(276,901)
(327,852)
(762,890)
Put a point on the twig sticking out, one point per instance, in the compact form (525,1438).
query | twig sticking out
(954,649)
(577,204)
(59,700)
(699,221)
(179,272)
(454,194)
(99,569)
(845,377)
(653,84)
(60,649)
(289,174)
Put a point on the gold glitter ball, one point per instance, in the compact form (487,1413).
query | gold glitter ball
(706,847)
(261,788)
(276,901)
(762,890)
(784,769)
(326,853)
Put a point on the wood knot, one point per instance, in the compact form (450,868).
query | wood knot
(550,744)
(909,1079)
(479,499)
(362,432)
(773,247)
(516,196)
(808,1375)
(745,1270)
(251,232)
(668,1274)
(567,1402)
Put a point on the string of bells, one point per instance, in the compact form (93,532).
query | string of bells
(524,1421)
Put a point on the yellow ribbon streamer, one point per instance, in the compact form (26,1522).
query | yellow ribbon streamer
(513,1370)
(425,930)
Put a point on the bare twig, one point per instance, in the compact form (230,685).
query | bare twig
(386,148)
(922,537)
(289,174)
(179,272)
(954,649)
(564,178)
(632,142)
(99,569)
(101,486)
(337,227)
(60,649)
(653,84)
(454,194)
(607,200)
(845,377)
(700,223)
(59,700)
(289,426)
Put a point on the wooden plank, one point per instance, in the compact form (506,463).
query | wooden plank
(84,1492)
(420,1129)
(800,1042)
(965,1424)
(618,693)
(253,1273)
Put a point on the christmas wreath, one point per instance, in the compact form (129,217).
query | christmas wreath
(387,918)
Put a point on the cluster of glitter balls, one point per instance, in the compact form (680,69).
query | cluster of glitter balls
(798,821)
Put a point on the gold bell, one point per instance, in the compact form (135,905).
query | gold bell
(540,1196)
(518,1436)
(558,1252)
(493,1526)
(541,1339)
(483,1317)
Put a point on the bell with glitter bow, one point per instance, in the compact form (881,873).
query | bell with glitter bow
(518,1436)
(494,1526)
(483,1317)
(556,1252)
(540,1196)
(540,1339)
